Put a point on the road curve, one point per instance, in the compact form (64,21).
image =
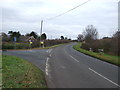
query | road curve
(68,68)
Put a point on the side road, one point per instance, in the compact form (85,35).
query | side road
(36,56)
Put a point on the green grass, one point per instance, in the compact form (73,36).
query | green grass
(44,47)
(19,73)
(54,46)
(105,57)
(51,46)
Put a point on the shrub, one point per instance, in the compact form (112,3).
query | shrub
(7,46)
(15,46)
(55,42)
(109,45)
(22,46)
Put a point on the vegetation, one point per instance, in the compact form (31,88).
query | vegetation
(109,45)
(62,37)
(105,57)
(48,43)
(34,34)
(24,41)
(43,36)
(105,49)
(55,42)
(18,73)
(80,37)
(90,33)
(54,46)
(14,35)
(15,46)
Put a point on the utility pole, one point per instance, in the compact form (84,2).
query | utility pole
(51,37)
(41,31)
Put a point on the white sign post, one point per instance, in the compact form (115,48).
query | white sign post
(15,39)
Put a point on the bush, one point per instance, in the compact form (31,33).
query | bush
(7,46)
(55,42)
(26,45)
(109,45)
(22,46)
(15,46)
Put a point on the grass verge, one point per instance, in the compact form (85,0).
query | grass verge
(42,48)
(108,58)
(19,73)
(55,46)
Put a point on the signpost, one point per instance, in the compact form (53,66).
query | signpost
(42,43)
(15,39)
(30,41)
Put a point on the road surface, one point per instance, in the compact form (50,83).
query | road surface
(68,68)
(37,57)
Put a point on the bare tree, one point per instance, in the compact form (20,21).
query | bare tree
(80,37)
(90,33)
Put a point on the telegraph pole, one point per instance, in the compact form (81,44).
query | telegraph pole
(41,31)
(51,37)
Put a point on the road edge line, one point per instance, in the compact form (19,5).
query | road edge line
(46,68)
(104,77)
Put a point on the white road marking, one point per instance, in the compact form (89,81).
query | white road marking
(104,77)
(46,69)
(50,55)
(74,58)
(71,56)
(49,50)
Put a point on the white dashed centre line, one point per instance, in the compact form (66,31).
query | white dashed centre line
(71,56)
(74,58)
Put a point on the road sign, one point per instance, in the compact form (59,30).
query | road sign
(15,39)
(31,42)
(41,42)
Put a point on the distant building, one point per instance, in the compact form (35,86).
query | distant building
(31,38)
(27,38)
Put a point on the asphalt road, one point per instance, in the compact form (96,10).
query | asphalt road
(68,68)
(37,57)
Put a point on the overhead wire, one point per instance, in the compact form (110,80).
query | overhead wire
(67,11)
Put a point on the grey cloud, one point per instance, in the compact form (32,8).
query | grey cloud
(14,15)
(31,4)
(71,24)
(10,14)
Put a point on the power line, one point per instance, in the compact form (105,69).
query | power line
(61,15)
(67,11)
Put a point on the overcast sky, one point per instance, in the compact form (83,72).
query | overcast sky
(25,16)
